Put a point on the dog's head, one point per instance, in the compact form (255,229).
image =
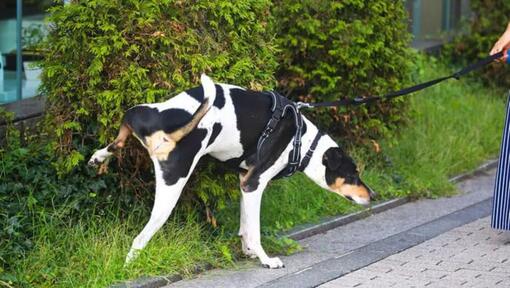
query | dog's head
(342,177)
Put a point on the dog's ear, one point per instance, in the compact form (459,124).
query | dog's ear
(332,158)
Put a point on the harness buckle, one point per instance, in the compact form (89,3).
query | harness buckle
(300,105)
(358,100)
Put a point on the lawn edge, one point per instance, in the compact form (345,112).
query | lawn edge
(308,230)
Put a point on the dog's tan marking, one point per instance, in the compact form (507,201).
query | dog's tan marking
(161,144)
(343,189)
(186,129)
(246,176)
(355,190)
(337,184)
(124,132)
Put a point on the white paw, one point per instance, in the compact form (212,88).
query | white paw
(98,157)
(273,263)
(131,256)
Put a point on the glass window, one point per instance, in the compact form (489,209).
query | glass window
(32,32)
(434,21)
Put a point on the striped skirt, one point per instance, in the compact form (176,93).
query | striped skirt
(501,200)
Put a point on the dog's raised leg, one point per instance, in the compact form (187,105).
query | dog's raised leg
(102,154)
(250,225)
(164,202)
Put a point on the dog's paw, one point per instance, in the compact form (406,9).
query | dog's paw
(99,157)
(93,162)
(133,253)
(273,263)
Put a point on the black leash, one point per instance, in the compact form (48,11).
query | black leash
(365,100)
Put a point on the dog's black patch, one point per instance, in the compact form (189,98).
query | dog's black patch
(219,101)
(271,150)
(179,161)
(215,132)
(146,120)
(197,93)
(339,165)
(253,110)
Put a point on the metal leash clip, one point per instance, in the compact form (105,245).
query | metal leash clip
(300,105)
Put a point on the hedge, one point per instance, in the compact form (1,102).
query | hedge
(107,55)
(339,49)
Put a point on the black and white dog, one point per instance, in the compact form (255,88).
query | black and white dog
(226,121)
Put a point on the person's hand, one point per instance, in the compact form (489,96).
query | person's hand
(503,44)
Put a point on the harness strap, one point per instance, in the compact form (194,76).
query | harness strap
(295,154)
(271,125)
(309,153)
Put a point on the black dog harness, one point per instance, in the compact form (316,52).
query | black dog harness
(280,106)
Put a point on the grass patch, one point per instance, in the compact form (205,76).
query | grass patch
(452,128)
(91,253)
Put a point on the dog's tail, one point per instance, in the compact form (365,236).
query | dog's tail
(209,88)
(209,97)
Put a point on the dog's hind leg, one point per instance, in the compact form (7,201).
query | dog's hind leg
(164,202)
(101,155)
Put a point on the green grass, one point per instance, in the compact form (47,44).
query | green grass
(91,253)
(452,128)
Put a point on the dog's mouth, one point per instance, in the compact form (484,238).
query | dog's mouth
(359,194)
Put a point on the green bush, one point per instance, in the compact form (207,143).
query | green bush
(105,56)
(490,19)
(338,49)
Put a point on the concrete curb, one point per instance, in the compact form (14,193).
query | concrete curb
(307,230)
(488,165)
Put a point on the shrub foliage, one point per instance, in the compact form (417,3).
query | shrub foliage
(105,56)
(489,20)
(343,49)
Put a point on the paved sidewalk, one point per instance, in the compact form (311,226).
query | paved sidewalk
(472,255)
(348,248)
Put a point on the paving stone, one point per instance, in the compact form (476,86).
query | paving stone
(472,255)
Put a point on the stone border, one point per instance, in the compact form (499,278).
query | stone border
(307,230)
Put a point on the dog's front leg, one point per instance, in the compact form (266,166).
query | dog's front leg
(164,202)
(250,227)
